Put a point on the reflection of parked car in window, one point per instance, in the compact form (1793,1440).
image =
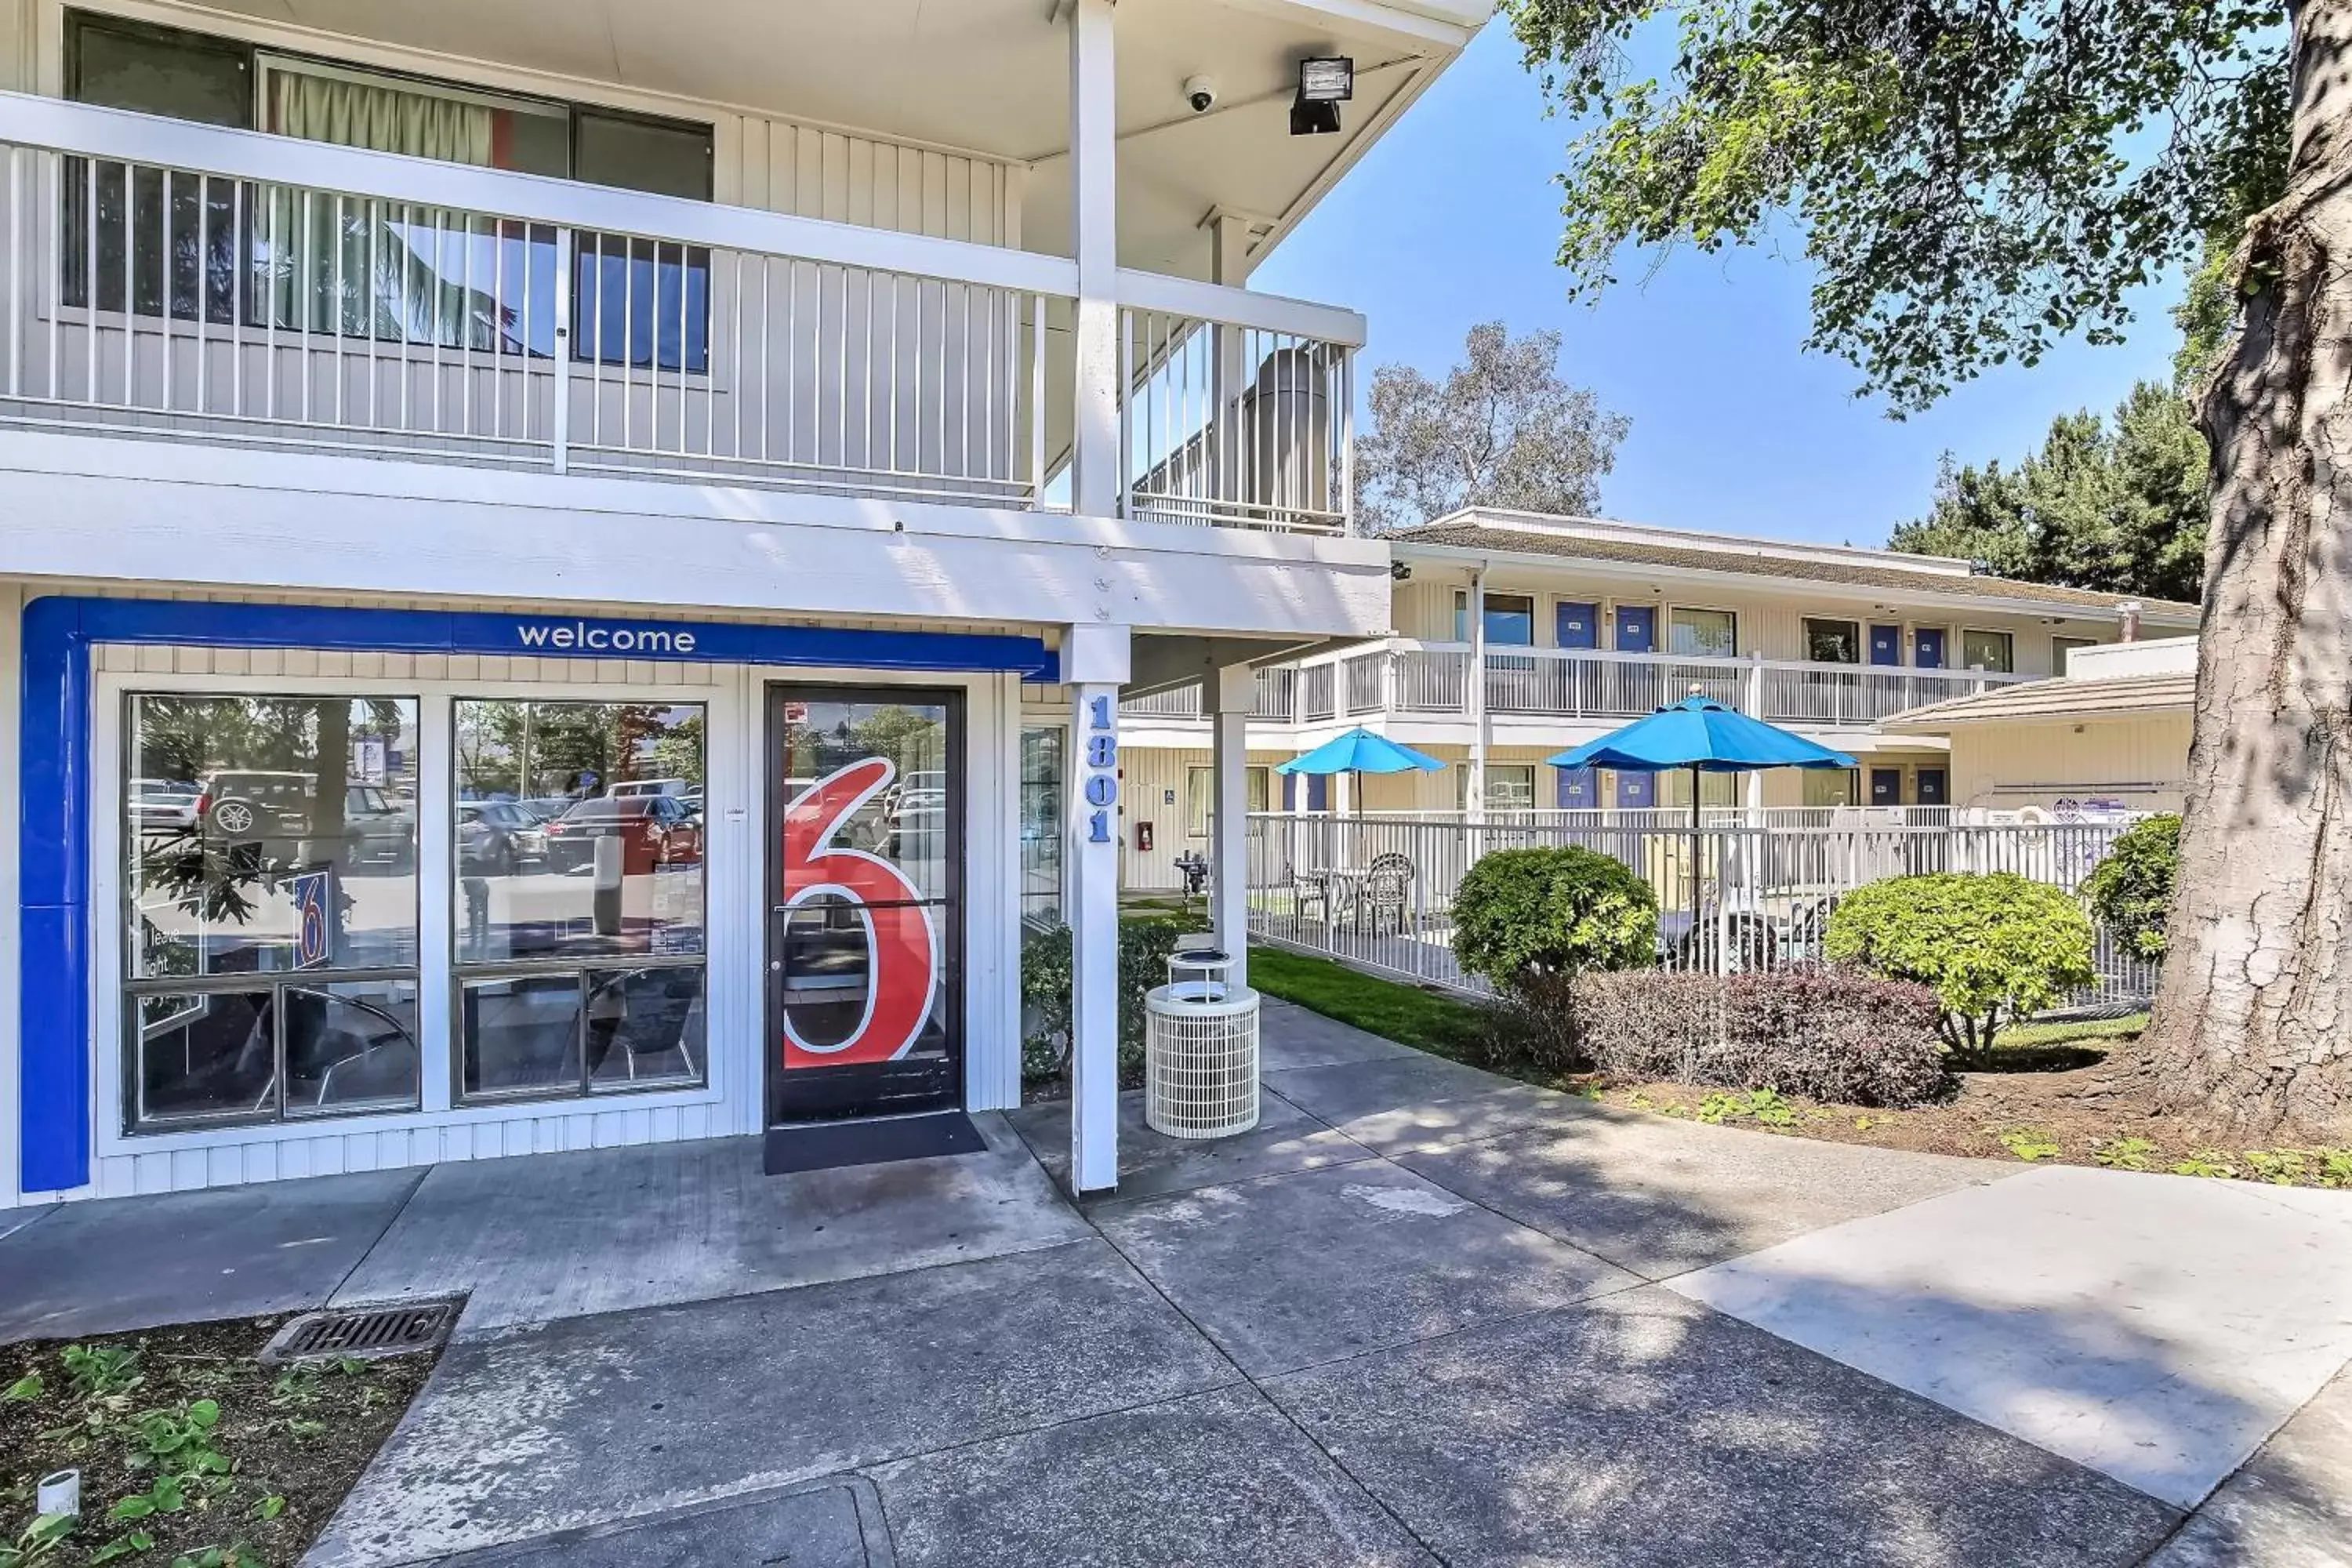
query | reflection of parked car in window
(548,807)
(655,830)
(677,788)
(164,805)
(498,837)
(242,806)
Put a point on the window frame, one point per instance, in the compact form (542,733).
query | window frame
(259,61)
(1533,600)
(2060,645)
(460,971)
(127,988)
(1461,789)
(2008,641)
(1665,630)
(1257,786)
(734,748)
(1860,644)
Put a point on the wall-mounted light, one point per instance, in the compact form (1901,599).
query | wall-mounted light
(1325,82)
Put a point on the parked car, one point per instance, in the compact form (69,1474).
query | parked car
(244,805)
(548,807)
(498,838)
(678,789)
(164,805)
(655,830)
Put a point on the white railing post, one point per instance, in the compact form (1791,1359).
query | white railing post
(1098,463)
(560,415)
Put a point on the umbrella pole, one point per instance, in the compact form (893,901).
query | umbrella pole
(1697,946)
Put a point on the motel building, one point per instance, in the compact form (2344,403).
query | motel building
(1518,635)
(567,579)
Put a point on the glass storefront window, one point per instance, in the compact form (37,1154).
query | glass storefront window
(578,910)
(1041,826)
(268,852)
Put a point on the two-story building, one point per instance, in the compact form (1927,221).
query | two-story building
(566,570)
(1519,636)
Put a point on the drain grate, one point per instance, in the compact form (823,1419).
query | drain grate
(362,1333)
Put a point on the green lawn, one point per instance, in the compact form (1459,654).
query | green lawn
(1405,1014)
(2074,1032)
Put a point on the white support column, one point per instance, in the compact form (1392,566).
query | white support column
(1096,461)
(1474,800)
(1233,471)
(1229,693)
(1094,666)
(1756,710)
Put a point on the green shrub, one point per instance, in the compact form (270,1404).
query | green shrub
(1045,996)
(1522,914)
(1993,947)
(2131,889)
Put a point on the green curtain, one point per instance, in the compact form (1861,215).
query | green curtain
(380,270)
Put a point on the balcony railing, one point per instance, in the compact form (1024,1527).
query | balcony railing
(1275,695)
(1589,684)
(233,286)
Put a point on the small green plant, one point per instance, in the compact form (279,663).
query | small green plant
(132,1544)
(2131,889)
(2280,1167)
(179,1440)
(269,1508)
(236,1556)
(1144,946)
(2210,1163)
(1524,914)
(97,1371)
(25,1389)
(2029,1145)
(2124,1153)
(2334,1167)
(1762,1106)
(38,1541)
(1864,1123)
(165,1494)
(1993,947)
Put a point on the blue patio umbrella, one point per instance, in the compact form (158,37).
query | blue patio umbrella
(1359,752)
(1703,736)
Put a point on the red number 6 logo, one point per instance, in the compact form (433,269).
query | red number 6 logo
(903,948)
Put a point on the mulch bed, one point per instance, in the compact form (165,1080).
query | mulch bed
(2075,1108)
(222,1459)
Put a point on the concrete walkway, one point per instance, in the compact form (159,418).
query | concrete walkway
(1419,1315)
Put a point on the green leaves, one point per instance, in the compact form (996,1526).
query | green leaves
(2029,1145)
(1973,182)
(23,1390)
(1992,947)
(2131,889)
(1552,910)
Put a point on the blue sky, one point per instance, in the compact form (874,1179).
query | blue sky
(1453,219)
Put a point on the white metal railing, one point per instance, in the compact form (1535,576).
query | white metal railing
(1433,677)
(168,278)
(1231,419)
(1378,891)
(1276,699)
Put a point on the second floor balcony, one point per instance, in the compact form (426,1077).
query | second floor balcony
(251,290)
(1430,681)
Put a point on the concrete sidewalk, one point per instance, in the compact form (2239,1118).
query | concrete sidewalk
(1419,1315)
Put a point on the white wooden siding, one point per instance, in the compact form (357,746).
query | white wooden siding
(2140,759)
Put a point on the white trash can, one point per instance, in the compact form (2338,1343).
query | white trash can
(1200,1047)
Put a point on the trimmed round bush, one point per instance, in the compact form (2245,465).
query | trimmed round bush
(2131,889)
(1993,947)
(1521,914)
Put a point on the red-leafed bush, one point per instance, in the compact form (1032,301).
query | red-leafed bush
(1823,1033)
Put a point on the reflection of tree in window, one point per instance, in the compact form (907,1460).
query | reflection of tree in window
(200,867)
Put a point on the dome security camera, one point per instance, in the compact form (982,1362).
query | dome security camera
(1201,93)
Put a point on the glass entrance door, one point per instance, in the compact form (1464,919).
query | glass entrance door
(865,902)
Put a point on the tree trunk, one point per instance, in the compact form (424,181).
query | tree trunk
(2254,1020)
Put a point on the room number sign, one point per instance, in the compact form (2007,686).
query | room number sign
(1102,769)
